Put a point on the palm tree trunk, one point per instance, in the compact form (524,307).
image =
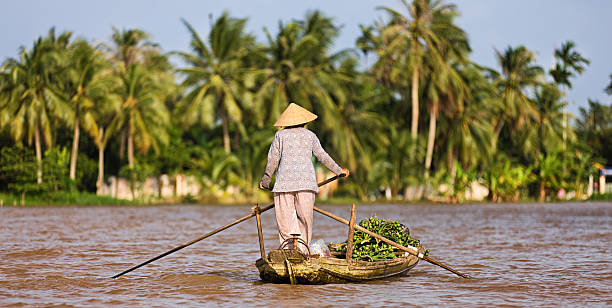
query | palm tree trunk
(564,117)
(75,146)
(498,128)
(542,191)
(431,138)
(415,103)
(100,181)
(226,138)
(451,165)
(565,124)
(541,149)
(130,153)
(38,154)
(130,147)
(236,140)
(121,154)
(122,145)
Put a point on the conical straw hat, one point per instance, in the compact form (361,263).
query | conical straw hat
(295,115)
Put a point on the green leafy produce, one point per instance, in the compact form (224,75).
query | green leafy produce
(368,248)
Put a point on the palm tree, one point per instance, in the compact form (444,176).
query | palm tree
(8,89)
(544,138)
(569,63)
(408,40)
(105,111)
(594,126)
(98,103)
(28,105)
(299,69)
(131,47)
(82,87)
(215,73)
(468,138)
(444,84)
(550,119)
(466,135)
(143,114)
(595,118)
(518,74)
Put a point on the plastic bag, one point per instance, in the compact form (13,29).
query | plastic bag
(320,248)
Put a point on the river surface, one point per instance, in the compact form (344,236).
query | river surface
(520,255)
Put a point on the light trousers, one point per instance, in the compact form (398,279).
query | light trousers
(294,215)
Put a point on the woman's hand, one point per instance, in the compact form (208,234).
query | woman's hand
(346,172)
(262,187)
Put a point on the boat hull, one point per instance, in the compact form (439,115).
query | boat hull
(281,264)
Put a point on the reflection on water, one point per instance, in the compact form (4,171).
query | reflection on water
(520,254)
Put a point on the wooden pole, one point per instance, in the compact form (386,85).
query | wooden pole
(333,178)
(349,244)
(411,250)
(292,279)
(257,212)
(295,237)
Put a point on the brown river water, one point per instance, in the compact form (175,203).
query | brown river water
(520,255)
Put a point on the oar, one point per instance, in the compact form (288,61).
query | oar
(411,250)
(333,178)
(213,232)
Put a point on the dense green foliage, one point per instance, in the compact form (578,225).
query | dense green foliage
(72,113)
(368,248)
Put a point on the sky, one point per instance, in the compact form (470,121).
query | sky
(539,25)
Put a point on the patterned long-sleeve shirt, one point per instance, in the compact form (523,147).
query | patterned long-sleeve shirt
(291,151)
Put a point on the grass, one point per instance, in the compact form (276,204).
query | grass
(601,197)
(63,198)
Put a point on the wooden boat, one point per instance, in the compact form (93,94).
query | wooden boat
(291,266)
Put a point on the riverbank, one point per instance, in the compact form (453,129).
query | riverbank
(80,198)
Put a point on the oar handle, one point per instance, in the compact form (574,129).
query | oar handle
(411,250)
(333,178)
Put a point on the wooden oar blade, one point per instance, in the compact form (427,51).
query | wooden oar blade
(446,267)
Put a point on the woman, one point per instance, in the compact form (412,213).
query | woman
(296,183)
